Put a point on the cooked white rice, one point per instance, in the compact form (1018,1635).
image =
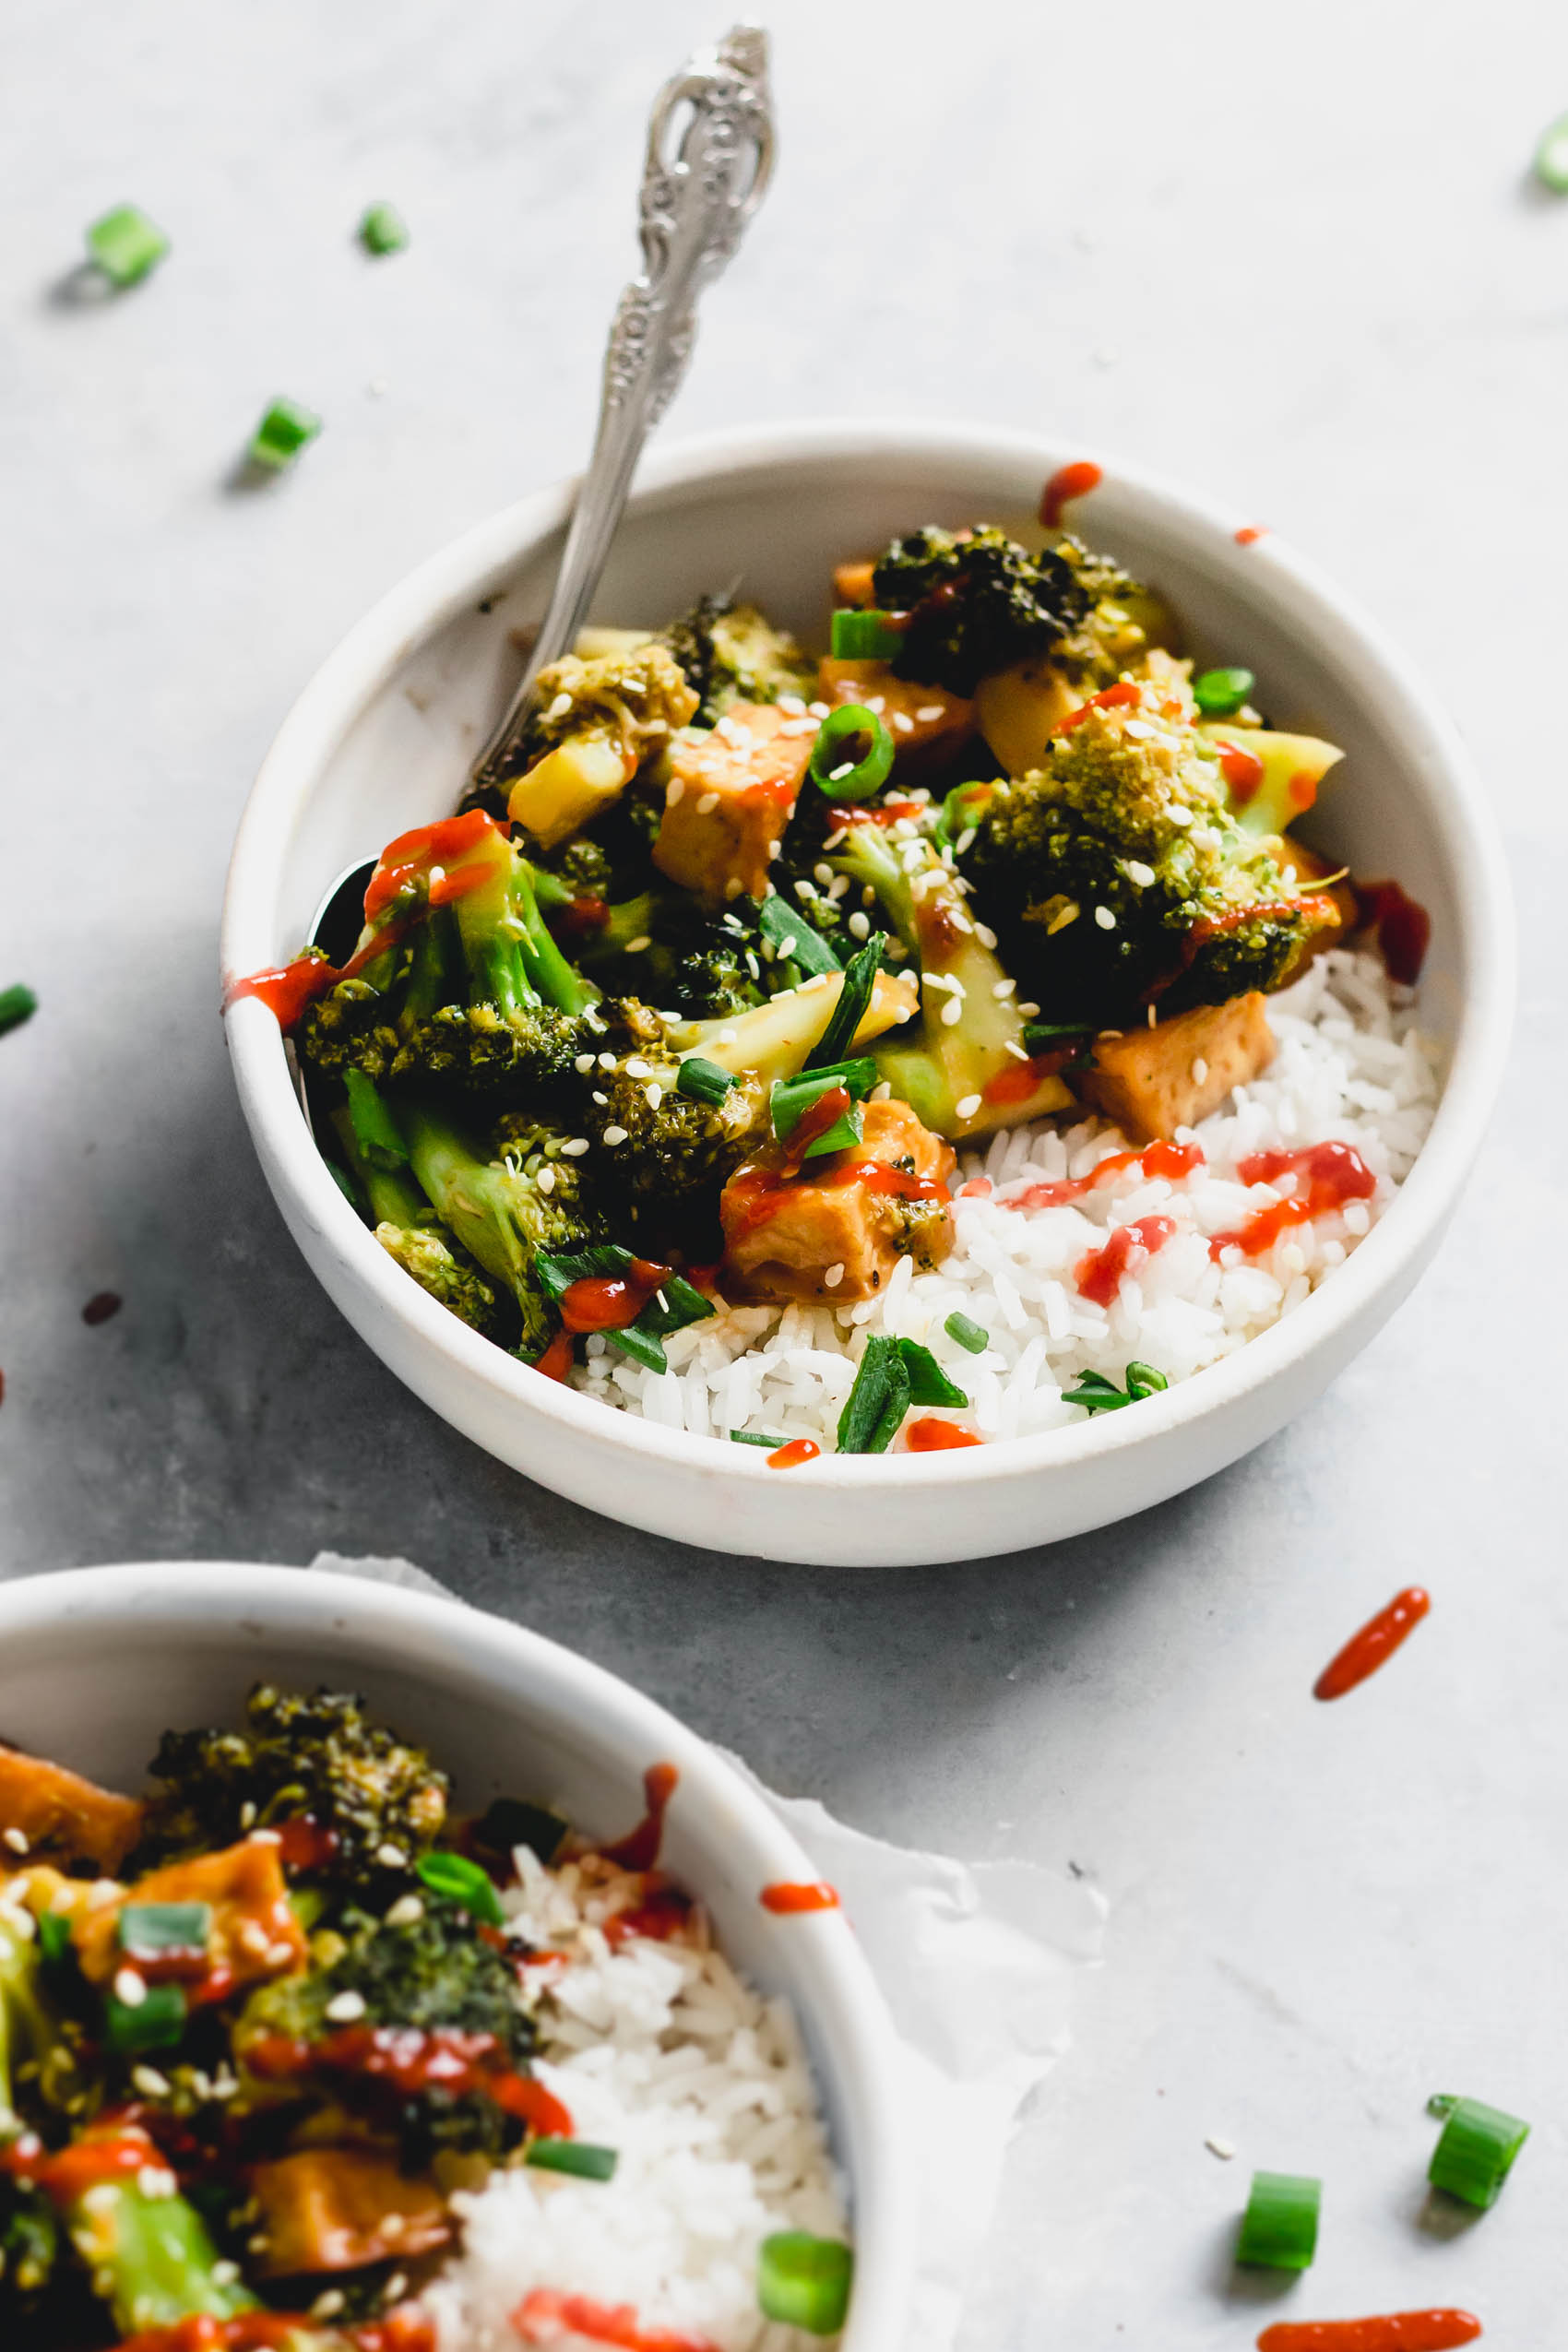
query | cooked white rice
(1351,1066)
(660,2051)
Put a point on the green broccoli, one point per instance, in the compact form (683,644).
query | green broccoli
(1116,874)
(40,2081)
(382,1802)
(404,1224)
(666,947)
(730,653)
(151,2254)
(1122,621)
(435,1973)
(976,602)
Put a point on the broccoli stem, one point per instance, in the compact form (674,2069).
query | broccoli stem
(393,1197)
(152,2257)
(548,972)
(29,2034)
(513,961)
(495,1211)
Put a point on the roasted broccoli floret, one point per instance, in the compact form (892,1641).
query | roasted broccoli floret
(975,604)
(528,1049)
(594,724)
(151,2254)
(665,945)
(432,1975)
(1121,622)
(1116,874)
(730,653)
(319,1755)
(37,2072)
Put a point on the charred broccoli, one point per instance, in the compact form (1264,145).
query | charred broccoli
(730,653)
(1116,873)
(668,947)
(976,602)
(594,724)
(379,1801)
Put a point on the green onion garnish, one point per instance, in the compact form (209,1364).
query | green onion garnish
(1097,1395)
(511,1822)
(704,1080)
(456,1880)
(683,1303)
(961,812)
(53,1937)
(1279,2227)
(860,980)
(1475,2151)
(852,755)
(125,244)
(384,229)
(795,939)
(804,2281)
(165,1927)
(1220,691)
(376,1130)
(793,1098)
(875,1409)
(345,1184)
(967,1333)
(864,636)
(283,432)
(1552,157)
(929,1384)
(642,1340)
(751,1437)
(18,1003)
(576,2156)
(155,2022)
(1039,1036)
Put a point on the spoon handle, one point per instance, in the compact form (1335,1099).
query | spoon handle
(709,155)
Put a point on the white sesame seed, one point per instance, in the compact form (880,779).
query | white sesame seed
(546,1178)
(344,2008)
(1105,919)
(397,2285)
(575,1148)
(1200,1071)
(583,1064)
(607,1062)
(1179,815)
(655,1094)
(16,1839)
(903,722)
(406,1909)
(1003,988)
(823,872)
(952,1012)
(837,888)
(560,707)
(1139,729)
(156,2180)
(280,1955)
(103,2197)
(799,727)
(733,886)
(804,889)
(792,704)
(130,1989)
(1221,2148)
(390,1857)
(817,709)
(149,2079)
(266,1837)
(727,1037)
(640,946)
(1139,873)
(860,926)
(247,1814)
(707,803)
(928,713)
(613,1135)
(1015,1049)
(1152,1017)
(833,1276)
(602,1099)
(327,2306)
(635,1067)
(251,1936)
(224,2274)
(676,794)
(986,936)
(1030,1011)
(968,1106)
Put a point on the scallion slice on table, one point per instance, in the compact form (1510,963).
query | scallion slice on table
(284,431)
(864,636)
(18,1003)
(860,980)
(794,939)
(929,1384)
(383,228)
(1220,691)
(1552,157)
(804,2281)
(578,2157)
(875,1409)
(456,1880)
(853,756)
(967,1333)
(1279,2227)
(704,1080)
(125,244)
(1475,2150)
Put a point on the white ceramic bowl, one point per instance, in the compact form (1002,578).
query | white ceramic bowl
(96,1663)
(381,740)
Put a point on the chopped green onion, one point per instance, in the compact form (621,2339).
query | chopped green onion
(1220,691)
(165,1927)
(125,244)
(345,1184)
(704,1080)
(1475,2151)
(155,2022)
(18,1003)
(929,1384)
(283,432)
(864,636)
(1552,157)
(854,997)
(576,2156)
(795,939)
(384,230)
(642,1340)
(875,1409)
(53,1937)
(852,755)
(752,1437)
(804,2281)
(1144,1381)
(793,1098)
(1039,1036)
(683,1303)
(376,1130)
(558,1269)
(967,1333)
(1095,1393)
(456,1880)
(957,816)
(1279,2227)
(511,1822)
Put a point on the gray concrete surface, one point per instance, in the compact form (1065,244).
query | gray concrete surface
(1291,257)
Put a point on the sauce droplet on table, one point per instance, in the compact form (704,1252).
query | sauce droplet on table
(1375,1644)
(1393,2332)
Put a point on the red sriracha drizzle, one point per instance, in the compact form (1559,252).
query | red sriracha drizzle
(413,2058)
(262,2332)
(1403,924)
(544,2315)
(1067,483)
(790,1457)
(1098,1273)
(1250,533)
(932,1436)
(1170,1161)
(1375,1644)
(608,1303)
(787,1895)
(1327,1176)
(1395,2332)
(638,1850)
(113,2152)
(290,991)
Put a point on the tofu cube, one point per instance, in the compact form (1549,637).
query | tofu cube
(728,799)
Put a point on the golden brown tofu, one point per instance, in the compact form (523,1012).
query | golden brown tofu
(925,722)
(253,1935)
(854,583)
(836,1230)
(728,799)
(337,2209)
(1153,1081)
(59,1813)
(1304,870)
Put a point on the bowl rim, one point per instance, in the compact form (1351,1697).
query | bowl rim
(420,1632)
(481,558)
